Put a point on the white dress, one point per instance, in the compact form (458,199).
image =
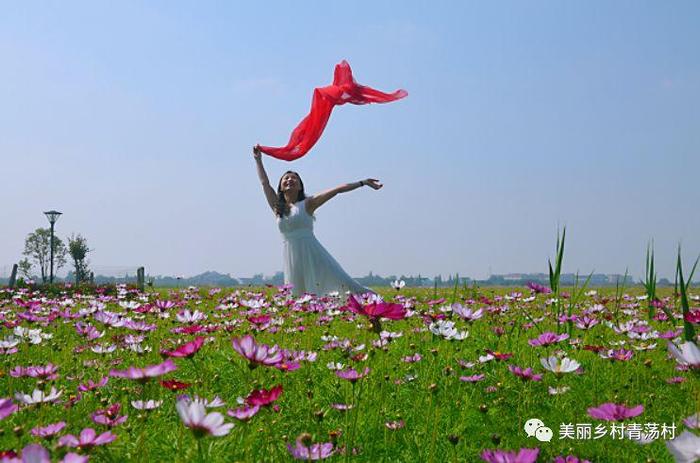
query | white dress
(307,264)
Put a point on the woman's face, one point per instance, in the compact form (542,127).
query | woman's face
(290,181)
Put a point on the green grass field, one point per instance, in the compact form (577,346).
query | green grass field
(419,411)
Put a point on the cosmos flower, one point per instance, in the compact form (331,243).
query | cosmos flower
(688,354)
(174,385)
(472,378)
(502,456)
(146,405)
(526,374)
(569,459)
(194,415)
(398,284)
(558,366)
(538,288)
(90,385)
(244,413)
(351,374)
(263,397)
(466,313)
(7,408)
(685,448)
(49,430)
(38,396)
(447,330)
(146,373)
(548,338)
(377,309)
(304,450)
(87,438)
(185,316)
(614,412)
(186,350)
(109,416)
(257,354)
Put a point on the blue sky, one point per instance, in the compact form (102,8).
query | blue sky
(136,120)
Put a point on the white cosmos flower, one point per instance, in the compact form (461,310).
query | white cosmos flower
(558,367)
(103,349)
(398,284)
(138,348)
(9,342)
(688,354)
(447,330)
(685,448)
(558,390)
(147,405)
(38,396)
(194,416)
(335,366)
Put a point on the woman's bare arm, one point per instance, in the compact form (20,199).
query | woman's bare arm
(270,194)
(319,199)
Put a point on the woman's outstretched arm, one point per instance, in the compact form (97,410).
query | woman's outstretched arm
(319,199)
(262,175)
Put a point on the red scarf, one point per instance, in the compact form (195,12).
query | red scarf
(343,90)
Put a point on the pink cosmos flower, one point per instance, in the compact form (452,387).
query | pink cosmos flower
(7,408)
(614,412)
(262,397)
(194,415)
(502,456)
(109,416)
(303,451)
(526,374)
(36,453)
(472,379)
(621,355)
(186,350)
(244,413)
(164,305)
(49,430)
(538,288)
(412,358)
(90,385)
(548,338)
(146,373)
(257,354)
(88,438)
(351,374)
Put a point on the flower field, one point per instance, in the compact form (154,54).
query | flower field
(465,374)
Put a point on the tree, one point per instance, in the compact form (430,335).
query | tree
(25,269)
(37,246)
(78,250)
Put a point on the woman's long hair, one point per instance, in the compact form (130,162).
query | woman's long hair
(281,208)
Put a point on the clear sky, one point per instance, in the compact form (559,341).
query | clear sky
(136,120)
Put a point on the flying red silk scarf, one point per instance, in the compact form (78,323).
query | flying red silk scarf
(343,90)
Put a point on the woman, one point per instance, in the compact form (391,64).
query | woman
(308,267)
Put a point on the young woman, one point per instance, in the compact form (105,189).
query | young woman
(307,264)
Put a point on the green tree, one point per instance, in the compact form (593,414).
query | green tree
(37,246)
(24,268)
(78,250)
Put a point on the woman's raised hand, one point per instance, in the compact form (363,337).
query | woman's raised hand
(256,152)
(373,183)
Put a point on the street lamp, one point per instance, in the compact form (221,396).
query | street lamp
(53,217)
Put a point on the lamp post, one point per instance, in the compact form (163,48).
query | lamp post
(53,217)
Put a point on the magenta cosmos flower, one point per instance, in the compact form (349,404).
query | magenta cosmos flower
(262,397)
(302,450)
(194,415)
(187,349)
(502,456)
(614,412)
(146,373)
(88,438)
(376,310)
(569,459)
(257,354)
(548,338)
